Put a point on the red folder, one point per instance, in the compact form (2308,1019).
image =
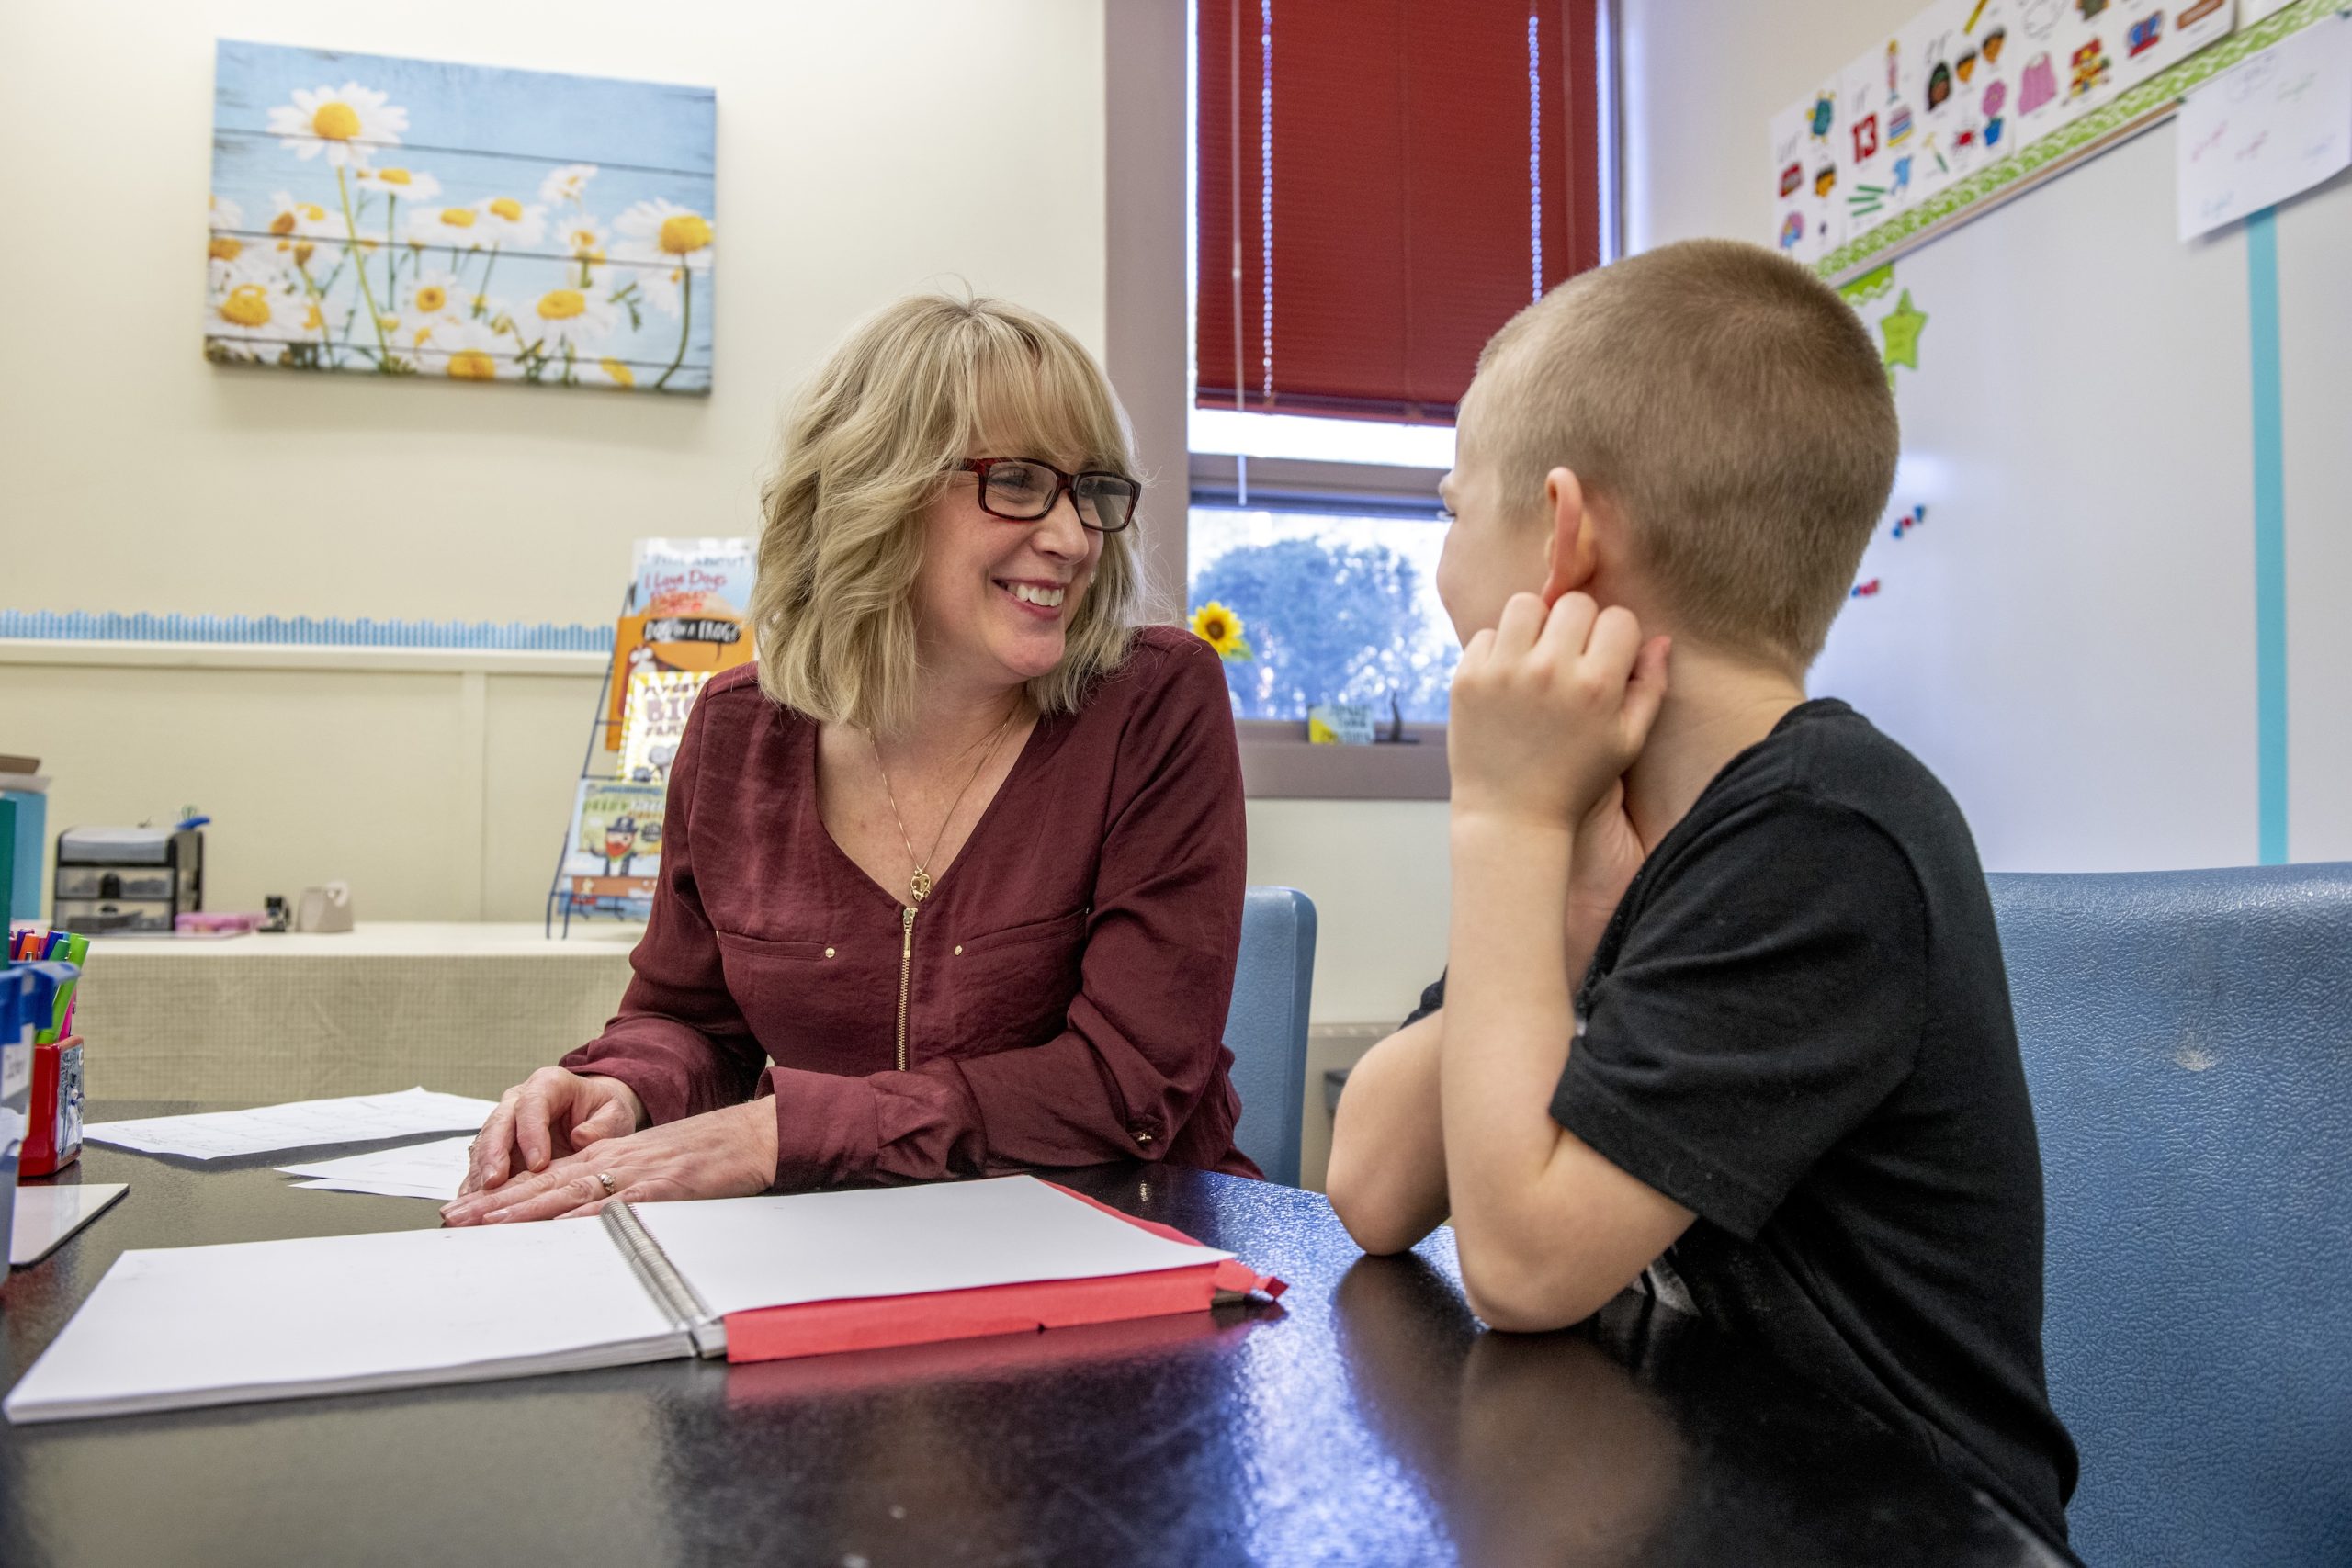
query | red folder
(818,1329)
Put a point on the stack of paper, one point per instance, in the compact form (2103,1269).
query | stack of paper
(418,1170)
(364,1118)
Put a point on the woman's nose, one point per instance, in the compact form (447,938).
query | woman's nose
(1060,532)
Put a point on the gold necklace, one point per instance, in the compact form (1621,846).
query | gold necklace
(920,883)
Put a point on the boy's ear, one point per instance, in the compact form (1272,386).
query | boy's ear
(1571,553)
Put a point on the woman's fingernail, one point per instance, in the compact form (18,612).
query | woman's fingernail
(494,1217)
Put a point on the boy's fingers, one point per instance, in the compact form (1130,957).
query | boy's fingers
(1645,692)
(1523,620)
(1613,645)
(1567,626)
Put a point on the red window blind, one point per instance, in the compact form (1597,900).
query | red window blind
(1397,178)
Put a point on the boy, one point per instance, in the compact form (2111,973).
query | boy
(1787,1090)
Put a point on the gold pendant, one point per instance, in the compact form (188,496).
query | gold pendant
(921,886)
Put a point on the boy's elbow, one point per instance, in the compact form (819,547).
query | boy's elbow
(1519,1294)
(1380,1229)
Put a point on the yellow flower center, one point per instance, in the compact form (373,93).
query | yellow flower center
(458,217)
(561,304)
(472,365)
(506,206)
(338,121)
(283,224)
(685,232)
(246,305)
(224,248)
(1214,629)
(302,252)
(312,321)
(393,176)
(432,297)
(621,374)
(311,211)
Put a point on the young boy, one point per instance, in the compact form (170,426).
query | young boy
(1787,1089)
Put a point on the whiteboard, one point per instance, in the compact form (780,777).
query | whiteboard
(2068,637)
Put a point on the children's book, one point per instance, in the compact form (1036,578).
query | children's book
(653,721)
(689,611)
(615,830)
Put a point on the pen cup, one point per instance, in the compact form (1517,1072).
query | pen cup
(53,1133)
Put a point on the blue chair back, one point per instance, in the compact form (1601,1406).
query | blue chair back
(2188,1036)
(1266,1027)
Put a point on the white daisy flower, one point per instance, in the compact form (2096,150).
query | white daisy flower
(463,350)
(564,319)
(296,228)
(252,306)
(568,184)
(668,243)
(225,246)
(510,224)
(451,228)
(437,294)
(346,124)
(405,185)
(609,372)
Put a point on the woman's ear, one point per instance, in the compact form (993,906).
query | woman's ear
(1571,553)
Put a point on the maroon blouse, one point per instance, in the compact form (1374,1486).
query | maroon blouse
(1064,987)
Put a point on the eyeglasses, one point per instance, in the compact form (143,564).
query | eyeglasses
(1022,489)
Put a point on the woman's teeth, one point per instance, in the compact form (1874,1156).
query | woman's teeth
(1030,593)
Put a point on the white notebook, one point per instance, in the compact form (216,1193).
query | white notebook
(174,1329)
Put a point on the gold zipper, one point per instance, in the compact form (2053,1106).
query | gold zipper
(906,972)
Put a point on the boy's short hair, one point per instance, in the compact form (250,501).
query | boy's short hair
(1733,411)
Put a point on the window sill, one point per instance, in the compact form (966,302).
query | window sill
(1278,763)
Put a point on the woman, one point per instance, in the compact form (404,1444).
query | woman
(951,880)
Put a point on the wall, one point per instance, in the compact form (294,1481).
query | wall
(2071,640)
(856,162)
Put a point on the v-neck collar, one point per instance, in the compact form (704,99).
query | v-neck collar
(939,880)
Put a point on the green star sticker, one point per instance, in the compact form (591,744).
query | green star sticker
(1900,327)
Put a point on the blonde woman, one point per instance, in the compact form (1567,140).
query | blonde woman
(951,881)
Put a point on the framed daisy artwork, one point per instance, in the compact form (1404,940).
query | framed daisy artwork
(388,217)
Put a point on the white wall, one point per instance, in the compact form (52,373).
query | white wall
(856,158)
(2072,644)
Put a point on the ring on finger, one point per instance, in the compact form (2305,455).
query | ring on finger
(604,1178)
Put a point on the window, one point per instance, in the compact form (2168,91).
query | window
(1354,246)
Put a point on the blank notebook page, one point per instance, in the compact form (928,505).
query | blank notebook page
(174,1327)
(742,1254)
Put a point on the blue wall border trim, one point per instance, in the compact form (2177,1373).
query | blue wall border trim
(302,631)
(2270,535)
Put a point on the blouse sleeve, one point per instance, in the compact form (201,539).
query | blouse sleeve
(1141,1041)
(678,1040)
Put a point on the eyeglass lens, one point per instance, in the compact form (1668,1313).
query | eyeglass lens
(1027,491)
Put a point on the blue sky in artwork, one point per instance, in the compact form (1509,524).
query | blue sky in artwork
(483,133)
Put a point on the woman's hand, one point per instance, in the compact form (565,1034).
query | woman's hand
(548,1115)
(721,1153)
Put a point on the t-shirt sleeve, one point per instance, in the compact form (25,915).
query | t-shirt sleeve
(1770,992)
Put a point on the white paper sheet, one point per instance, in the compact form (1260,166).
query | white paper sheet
(222,1134)
(417,1170)
(46,1215)
(744,1253)
(2274,124)
(193,1326)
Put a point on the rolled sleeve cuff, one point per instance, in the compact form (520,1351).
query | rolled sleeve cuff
(662,1093)
(827,1127)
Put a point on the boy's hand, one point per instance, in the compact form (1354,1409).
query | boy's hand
(1550,708)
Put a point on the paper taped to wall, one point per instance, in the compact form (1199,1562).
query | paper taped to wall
(2274,125)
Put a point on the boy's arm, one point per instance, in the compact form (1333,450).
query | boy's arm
(1388,1177)
(1547,1230)
(1549,708)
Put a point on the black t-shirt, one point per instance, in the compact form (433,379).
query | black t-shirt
(1797,1026)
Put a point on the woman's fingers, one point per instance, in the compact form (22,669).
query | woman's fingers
(488,1162)
(557,1197)
(610,1119)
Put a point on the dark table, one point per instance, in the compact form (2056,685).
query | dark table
(1364,1419)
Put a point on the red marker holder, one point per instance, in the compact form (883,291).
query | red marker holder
(53,1138)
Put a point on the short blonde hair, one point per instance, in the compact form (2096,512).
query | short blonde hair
(1733,411)
(870,443)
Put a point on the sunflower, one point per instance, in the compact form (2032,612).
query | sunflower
(1221,629)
